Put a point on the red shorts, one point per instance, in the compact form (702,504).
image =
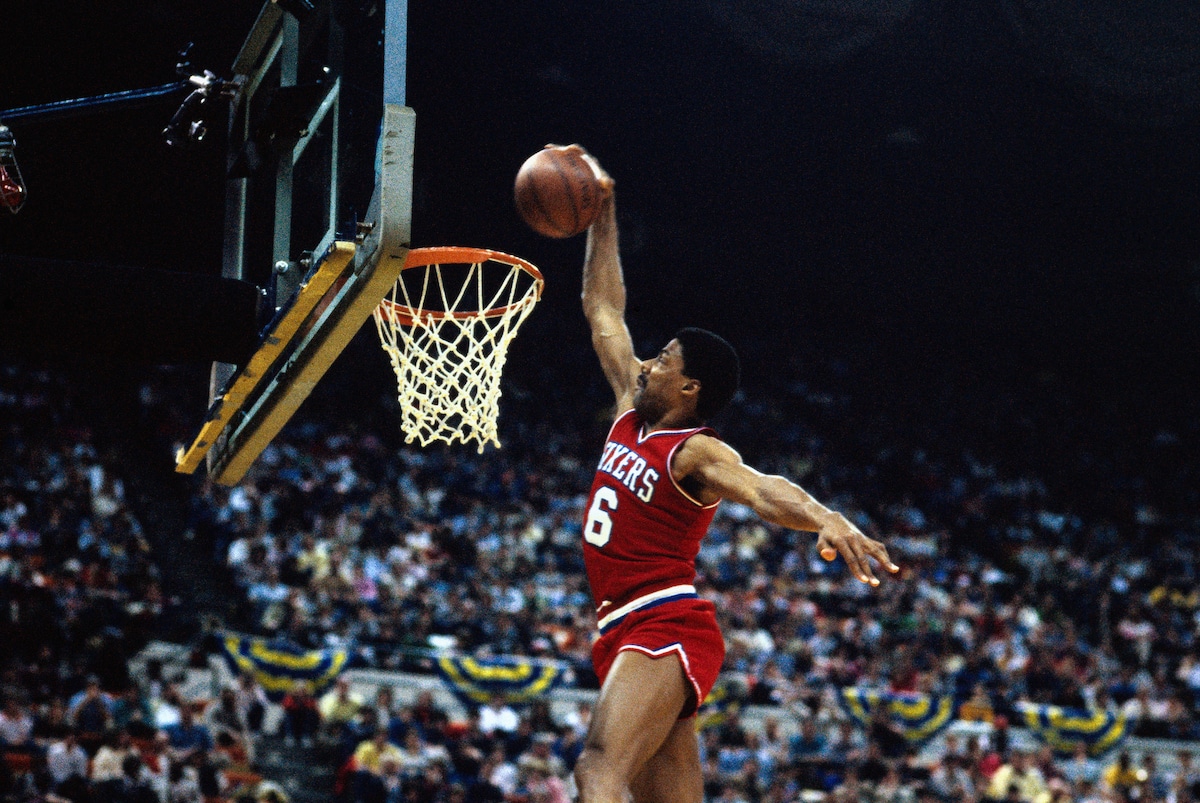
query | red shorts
(684,628)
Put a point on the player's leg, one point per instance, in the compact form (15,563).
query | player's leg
(636,712)
(673,774)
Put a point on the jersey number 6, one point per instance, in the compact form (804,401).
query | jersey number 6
(598,528)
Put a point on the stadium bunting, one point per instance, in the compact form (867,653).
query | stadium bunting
(277,667)
(723,701)
(918,717)
(1064,728)
(518,680)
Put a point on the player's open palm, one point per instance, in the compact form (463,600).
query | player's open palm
(841,537)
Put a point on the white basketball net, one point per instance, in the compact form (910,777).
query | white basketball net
(446,327)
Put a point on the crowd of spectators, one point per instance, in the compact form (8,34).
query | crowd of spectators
(1048,552)
(1048,556)
(80,595)
(418,753)
(388,753)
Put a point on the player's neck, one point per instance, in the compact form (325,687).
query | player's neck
(674,419)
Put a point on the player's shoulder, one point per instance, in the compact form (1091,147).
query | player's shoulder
(702,448)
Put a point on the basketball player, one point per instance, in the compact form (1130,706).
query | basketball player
(656,489)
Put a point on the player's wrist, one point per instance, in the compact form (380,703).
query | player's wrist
(826,519)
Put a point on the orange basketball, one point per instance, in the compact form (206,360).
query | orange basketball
(558,192)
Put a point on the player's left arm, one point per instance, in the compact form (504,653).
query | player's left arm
(720,473)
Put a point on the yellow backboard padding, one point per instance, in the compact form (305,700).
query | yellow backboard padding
(339,257)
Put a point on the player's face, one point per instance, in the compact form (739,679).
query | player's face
(659,383)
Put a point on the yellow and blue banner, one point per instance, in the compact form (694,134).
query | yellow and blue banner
(277,667)
(919,717)
(722,702)
(1062,729)
(518,680)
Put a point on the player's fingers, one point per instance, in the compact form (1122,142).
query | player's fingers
(856,559)
(880,553)
(863,568)
(831,546)
(606,181)
(575,147)
(826,550)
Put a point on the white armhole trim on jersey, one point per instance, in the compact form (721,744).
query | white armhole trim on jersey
(616,421)
(671,473)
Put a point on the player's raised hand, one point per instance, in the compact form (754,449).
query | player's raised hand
(606,181)
(840,537)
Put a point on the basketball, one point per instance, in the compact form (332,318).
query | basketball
(557,192)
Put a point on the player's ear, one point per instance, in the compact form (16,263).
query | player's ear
(691,387)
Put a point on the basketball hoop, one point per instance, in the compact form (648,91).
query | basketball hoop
(446,327)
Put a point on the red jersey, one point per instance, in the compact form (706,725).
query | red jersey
(642,531)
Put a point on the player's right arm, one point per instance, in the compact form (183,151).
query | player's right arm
(604,301)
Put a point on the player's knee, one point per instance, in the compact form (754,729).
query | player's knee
(596,778)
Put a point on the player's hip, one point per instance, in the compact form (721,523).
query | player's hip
(610,613)
(685,627)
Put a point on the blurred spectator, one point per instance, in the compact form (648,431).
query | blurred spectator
(384,705)
(809,745)
(1081,767)
(1186,775)
(541,784)
(541,752)
(499,772)
(67,764)
(467,748)
(892,789)
(1087,792)
(251,701)
(386,785)
(183,785)
(339,706)
(159,764)
(16,726)
(431,717)
(883,731)
(371,753)
(91,714)
(416,755)
(1019,774)
(1157,783)
(107,767)
(51,723)
(399,724)
(951,779)
(226,724)
(168,706)
(1124,776)
(986,760)
(848,745)
(874,767)
(132,712)
(190,740)
(133,786)
(301,719)
(497,715)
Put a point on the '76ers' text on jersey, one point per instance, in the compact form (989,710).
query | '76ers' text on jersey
(642,531)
